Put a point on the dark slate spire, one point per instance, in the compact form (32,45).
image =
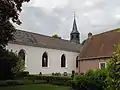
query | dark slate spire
(74,29)
(74,35)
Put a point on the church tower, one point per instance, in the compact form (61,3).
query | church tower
(75,35)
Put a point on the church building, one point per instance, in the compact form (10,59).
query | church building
(46,54)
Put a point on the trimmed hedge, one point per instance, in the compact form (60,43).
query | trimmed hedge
(19,82)
(56,80)
(38,79)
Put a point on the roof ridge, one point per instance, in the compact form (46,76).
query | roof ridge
(45,36)
(105,32)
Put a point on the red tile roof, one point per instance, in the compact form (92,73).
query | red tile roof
(100,45)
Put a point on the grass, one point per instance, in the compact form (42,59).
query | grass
(36,87)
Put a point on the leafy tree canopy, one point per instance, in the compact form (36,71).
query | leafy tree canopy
(83,42)
(9,10)
(113,68)
(56,36)
(10,64)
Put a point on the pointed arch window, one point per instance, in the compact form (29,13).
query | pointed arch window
(22,54)
(44,60)
(63,61)
(77,62)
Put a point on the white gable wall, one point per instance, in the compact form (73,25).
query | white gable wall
(34,59)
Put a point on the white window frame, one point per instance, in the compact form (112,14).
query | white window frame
(100,64)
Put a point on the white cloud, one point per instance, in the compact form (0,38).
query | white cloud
(48,4)
(88,3)
(56,16)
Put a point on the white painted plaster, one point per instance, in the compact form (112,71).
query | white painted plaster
(34,59)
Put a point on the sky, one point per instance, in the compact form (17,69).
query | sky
(50,17)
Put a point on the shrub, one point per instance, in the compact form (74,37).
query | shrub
(93,80)
(81,73)
(56,80)
(22,74)
(65,74)
(113,67)
(56,74)
(37,79)
(76,73)
(40,73)
(59,74)
(53,74)
(10,64)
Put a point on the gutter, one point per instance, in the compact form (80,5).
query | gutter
(92,58)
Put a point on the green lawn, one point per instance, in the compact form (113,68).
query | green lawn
(36,87)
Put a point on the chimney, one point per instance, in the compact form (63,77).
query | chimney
(89,35)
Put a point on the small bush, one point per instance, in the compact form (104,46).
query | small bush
(81,73)
(22,74)
(65,74)
(76,73)
(25,73)
(53,74)
(56,74)
(40,73)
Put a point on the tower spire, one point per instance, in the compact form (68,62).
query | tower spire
(74,33)
(74,15)
(74,29)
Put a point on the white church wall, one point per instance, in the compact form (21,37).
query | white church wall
(34,59)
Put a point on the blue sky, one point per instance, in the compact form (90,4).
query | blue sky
(50,17)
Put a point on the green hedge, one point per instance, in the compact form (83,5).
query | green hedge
(57,80)
(36,79)
(20,82)
(93,80)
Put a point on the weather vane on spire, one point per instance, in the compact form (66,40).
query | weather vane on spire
(74,15)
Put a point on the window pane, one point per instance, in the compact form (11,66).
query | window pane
(45,60)
(102,65)
(22,54)
(77,62)
(63,61)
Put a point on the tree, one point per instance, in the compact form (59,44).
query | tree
(9,10)
(19,63)
(10,64)
(84,42)
(113,67)
(56,36)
